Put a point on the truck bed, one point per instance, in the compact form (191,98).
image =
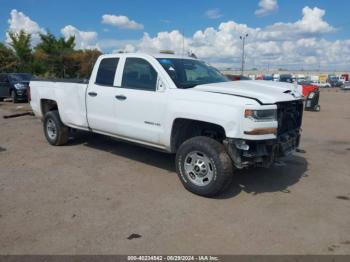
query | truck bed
(68,94)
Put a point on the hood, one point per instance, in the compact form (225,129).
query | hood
(265,92)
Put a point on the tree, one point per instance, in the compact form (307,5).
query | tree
(85,60)
(52,57)
(8,60)
(21,44)
(56,54)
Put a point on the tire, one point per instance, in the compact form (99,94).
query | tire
(203,166)
(14,96)
(55,131)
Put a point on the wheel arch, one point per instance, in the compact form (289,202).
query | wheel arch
(47,105)
(185,128)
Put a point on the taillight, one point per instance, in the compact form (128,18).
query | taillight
(28,94)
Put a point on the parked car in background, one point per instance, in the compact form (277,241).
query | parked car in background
(305,82)
(300,78)
(14,85)
(345,77)
(252,77)
(321,84)
(268,77)
(346,86)
(276,77)
(237,77)
(323,78)
(314,78)
(334,81)
(286,78)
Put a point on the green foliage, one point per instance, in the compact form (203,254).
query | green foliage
(52,57)
(57,58)
(8,60)
(20,42)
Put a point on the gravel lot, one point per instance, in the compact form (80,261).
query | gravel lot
(88,197)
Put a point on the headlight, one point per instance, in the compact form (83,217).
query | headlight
(311,95)
(19,86)
(265,115)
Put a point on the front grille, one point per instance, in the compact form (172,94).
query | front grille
(289,116)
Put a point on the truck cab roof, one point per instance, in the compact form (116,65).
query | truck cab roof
(155,55)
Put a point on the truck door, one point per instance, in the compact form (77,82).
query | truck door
(139,106)
(100,97)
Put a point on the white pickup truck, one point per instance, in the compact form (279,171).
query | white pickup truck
(177,105)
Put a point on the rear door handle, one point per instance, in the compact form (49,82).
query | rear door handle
(93,94)
(120,97)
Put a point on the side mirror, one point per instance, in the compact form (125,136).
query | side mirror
(160,85)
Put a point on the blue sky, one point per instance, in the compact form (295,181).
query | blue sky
(185,16)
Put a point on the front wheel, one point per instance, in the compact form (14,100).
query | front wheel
(55,131)
(203,166)
(14,96)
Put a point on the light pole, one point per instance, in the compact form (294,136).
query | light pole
(243,44)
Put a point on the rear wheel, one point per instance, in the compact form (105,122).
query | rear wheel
(55,131)
(203,166)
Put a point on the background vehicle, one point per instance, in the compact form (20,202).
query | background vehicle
(237,77)
(346,86)
(276,77)
(334,81)
(321,84)
(323,78)
(14,85)
(345,77)
(311,94)
(268,77)
(180,106)
(286,78)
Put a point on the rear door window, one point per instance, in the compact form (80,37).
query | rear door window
(106,71)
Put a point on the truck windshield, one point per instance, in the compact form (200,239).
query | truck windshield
(187,73)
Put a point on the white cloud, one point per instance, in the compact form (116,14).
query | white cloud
(121,22)
(310,25)
(266,7)
(292,45)
(19,21)
(313,22)
(213,13)
(83,39)
(282,44)
(164,41)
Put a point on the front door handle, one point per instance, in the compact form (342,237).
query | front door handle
(93,94)
(120,97)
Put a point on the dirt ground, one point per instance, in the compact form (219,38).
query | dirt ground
(88,197)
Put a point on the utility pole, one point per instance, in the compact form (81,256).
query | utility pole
(243,45)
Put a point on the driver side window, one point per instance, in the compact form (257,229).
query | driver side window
(139,74)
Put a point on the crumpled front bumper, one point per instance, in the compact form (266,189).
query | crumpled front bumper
(263,153)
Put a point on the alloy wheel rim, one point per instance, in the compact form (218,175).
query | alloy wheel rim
(51,129)
(199,168)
